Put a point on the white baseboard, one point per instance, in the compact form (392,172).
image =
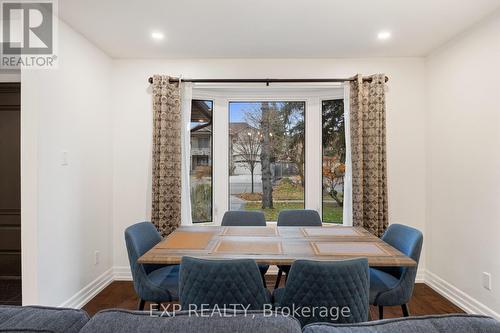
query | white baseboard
(458,297)
(82,297)
(444,288)
(420,278)
(122,273)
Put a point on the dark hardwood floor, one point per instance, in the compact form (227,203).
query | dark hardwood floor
(425,301)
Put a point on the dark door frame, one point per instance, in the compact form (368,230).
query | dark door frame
(10,188)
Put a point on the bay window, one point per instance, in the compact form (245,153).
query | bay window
(269,149)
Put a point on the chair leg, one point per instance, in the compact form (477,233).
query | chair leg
(406,312)
(380,312)
(278,279)
(141,304)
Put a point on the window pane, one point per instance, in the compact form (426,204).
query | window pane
(333,160)
(266,156)
(201,161)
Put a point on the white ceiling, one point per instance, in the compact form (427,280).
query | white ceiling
(271,28)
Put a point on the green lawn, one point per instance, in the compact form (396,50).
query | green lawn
(285,190)
(331,213)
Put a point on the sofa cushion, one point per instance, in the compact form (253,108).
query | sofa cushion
(456,323)
(122,321)
(41,319)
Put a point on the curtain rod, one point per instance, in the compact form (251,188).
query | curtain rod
(266,81)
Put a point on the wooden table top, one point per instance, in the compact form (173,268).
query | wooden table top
(274,245)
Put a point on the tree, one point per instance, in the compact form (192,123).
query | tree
(334,150)
(334,129)
(333,173)
(281,126)
(265,156)
(266,120)
(294,127)
(247,149)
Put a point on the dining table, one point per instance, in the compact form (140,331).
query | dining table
(275,245)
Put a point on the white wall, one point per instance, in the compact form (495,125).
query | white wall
(132,126)
(66,209)
(463,164)
(443,134)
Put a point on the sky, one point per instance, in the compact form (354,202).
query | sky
(236,110)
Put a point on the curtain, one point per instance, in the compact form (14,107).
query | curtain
(166,173)
(186,100)
(368,154)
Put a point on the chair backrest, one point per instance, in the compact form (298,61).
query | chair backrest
(299,218)
(221,283)
(241,218)
(334,286)
(409,241)
(140,238)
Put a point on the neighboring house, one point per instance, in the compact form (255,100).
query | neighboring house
(201,134)
(201,150)
(238,142)
(243,148)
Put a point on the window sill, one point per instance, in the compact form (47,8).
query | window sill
(272,223)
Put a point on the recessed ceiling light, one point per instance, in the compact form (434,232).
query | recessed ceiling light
(384,35)
(157,35)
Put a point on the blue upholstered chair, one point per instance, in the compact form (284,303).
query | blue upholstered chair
(153,283)
(391,286)
(329,285)
(296,218)
(221,283)
(241,218)
(299,218)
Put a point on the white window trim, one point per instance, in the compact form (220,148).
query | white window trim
(347,213)
(312,95)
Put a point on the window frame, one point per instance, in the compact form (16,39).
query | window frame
(311,95)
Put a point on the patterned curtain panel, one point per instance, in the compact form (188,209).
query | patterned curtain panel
(369,172)
(166,198)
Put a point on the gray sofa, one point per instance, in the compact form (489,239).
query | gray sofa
(58,320)
(109,321)
(455,323)
(41,319)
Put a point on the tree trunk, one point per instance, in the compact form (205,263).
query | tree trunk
(265,158)
(251,172)
(302,176)
(334,193)
(300,167)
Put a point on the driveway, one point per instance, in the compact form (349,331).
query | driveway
(243,184)
(236,203)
